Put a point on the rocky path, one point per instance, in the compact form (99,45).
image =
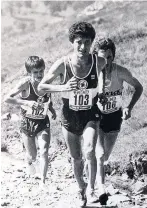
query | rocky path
(19,191)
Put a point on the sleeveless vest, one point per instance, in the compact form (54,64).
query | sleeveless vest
(112,90)
(43,101)
(85,96)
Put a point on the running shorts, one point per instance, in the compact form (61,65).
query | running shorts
(76,121)
(111,122)
(31,127)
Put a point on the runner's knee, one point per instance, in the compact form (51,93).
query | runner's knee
(44,145)
(89,154)
(100,155)
(44,151)
(77,160)
(89,151)
(76,157)
(31,157)
(107,156)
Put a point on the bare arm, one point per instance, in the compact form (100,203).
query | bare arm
(101,63)
(55,71)
(12,96)
(51,109)
(126,76)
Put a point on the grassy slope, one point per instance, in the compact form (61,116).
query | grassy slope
(124,22)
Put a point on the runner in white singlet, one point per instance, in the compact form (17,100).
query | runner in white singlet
(111,81)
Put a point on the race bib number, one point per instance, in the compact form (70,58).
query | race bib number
(114,103)
(80,99)
(36,113)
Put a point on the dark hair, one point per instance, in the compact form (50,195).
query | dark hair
(81,29)
(105,44)
(34,62)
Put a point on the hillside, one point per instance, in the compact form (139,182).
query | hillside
(48,38)
(42,29)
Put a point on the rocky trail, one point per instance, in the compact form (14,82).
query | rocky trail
(20,191)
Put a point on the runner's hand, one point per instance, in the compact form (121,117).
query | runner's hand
(31,103)
(102,98)
(126,113)
(71,84)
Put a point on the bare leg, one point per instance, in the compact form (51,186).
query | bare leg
(43,142)
(74,145)
(105,145)
(110,139)
(104,148)
(100,162)
(31,151)
(90,138)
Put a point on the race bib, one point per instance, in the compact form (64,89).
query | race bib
(80,99)
(113,103)
(38,112)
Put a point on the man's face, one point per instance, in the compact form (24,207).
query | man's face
(37,74)
(107,55)
(82,46)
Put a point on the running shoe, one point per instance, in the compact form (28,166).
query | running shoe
(82,197)
(91,196)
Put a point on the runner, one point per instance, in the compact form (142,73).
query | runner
(111,81)
(78,74)
(34,118)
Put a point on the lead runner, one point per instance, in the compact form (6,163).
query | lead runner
(78,74)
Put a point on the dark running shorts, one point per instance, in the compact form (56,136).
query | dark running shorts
(32,127)
(76,121)
(111,122)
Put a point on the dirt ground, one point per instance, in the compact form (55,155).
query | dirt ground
(20,191)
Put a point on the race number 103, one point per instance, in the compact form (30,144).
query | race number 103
(81,99)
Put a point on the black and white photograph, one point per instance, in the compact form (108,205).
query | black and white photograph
(74,104)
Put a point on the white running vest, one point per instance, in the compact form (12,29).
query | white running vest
(112,91)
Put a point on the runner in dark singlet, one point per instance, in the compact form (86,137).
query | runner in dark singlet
(34,117)
(79,79)
(79,107)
